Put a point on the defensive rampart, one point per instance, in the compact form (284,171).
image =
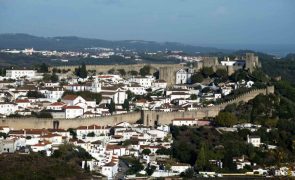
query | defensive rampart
(149,118)
(21,123)
(129,67)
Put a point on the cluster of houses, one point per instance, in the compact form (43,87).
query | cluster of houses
(23,93)
(107,145)
(104,143)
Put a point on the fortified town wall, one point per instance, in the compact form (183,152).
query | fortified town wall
(166,71)
(149,118)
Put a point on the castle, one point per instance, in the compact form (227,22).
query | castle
(168,72)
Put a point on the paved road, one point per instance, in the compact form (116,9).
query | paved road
(123,166)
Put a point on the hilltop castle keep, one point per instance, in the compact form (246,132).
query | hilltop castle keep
(249,62)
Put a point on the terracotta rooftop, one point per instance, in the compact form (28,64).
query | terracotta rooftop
(70,97)
(73,107)
(22,101)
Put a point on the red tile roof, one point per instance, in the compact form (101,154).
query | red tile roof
(57,104)
(22,101)
(70,97)
(73,107)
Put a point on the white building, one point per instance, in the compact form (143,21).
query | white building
(183,76)
(53,94)
(73,112)
(110,170)
(97,130)
(7,108)
(16,74)
(145,82)
(136,89)
(254,140)
(184,122)
(41,146)
(159,84)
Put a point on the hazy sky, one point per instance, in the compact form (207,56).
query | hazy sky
(188,21)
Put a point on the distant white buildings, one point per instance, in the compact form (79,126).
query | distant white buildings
(16,74)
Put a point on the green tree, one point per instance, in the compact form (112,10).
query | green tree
(43,68)
(54,78)
(202,161)
(226,119)
(122,72)
(207,71)
(4,135)
(239,75)
(35,94)
(130,95)
(72,133)
(112,106)
(146,151)
(126,105)
(91,134)
(164,151)
(2,72)
(46,77)
(83,71)
(133,73)
(194,97)
(111,71)
(197,78)
(188,174)
(145,70)
(221,73)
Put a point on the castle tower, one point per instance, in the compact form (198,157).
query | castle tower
(252,62)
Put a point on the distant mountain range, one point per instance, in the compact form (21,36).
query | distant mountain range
(21,41)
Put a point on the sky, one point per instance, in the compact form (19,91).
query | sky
(198,22)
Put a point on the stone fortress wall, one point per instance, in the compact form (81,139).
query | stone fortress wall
(39,123)
(149,118)
(166,71)
(129,67)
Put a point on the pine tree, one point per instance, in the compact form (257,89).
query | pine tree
(202,159)
(112,106)
(126,105)
(54,78)
(83,71)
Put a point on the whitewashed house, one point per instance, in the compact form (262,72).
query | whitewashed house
(73,112)
(184,122)
(254,140)
(183,76)
(8,108)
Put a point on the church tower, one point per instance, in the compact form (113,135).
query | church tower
(96,86)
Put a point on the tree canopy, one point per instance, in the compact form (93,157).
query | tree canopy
(226,119)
